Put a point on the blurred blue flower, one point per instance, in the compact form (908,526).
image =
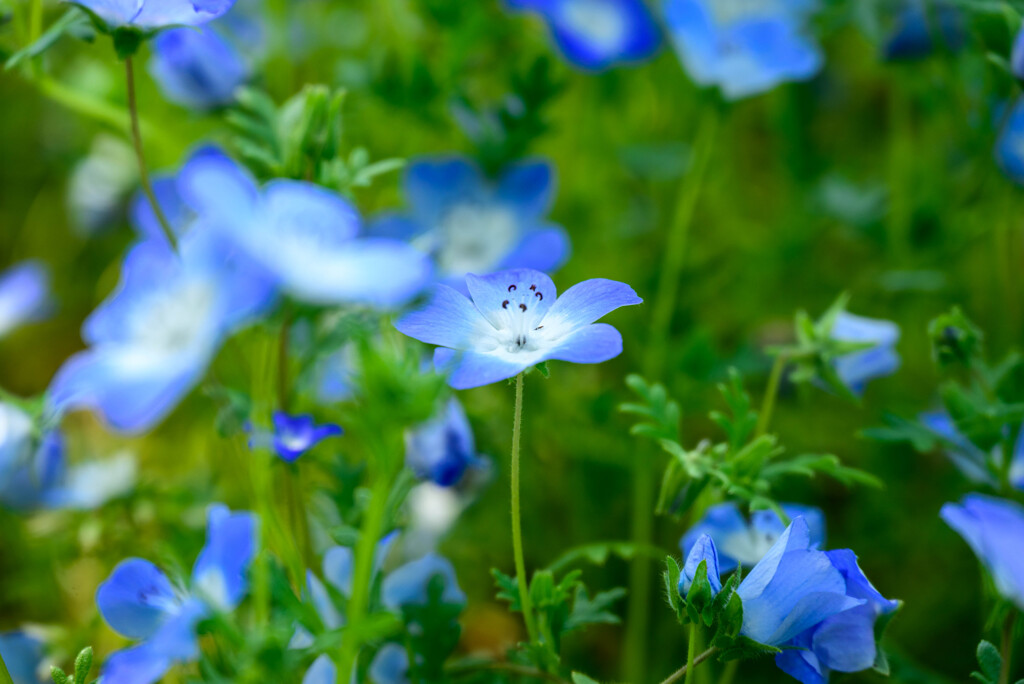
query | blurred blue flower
(408,584)
(305,236)
(390,665)
(1009,149)
(514,322)
(153,338)
(596,34)
(197,67)
(155,14)
(857,368)
(24,295)
(292,436)
(469,224)
(994,529)
(441,449)
(139,602)
(739,541)
(743,47)
(918,30)
(968,458)
(22,655)
(702,551)
(1017,56)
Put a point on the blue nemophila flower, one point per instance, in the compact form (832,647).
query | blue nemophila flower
(408,583)
(305,236)
(24,295)
(140,602)
(702,550)
(293,436)
(197,67)
(968,458)
(390,665)
(856,368)
(513,320)
(155,14)
(441,449)
(470,224)
(596,34)
(1017,56)
(1009,149)
(994,529)
(918,30)
(22,654)
(744,47)
(151,341)
(742,541)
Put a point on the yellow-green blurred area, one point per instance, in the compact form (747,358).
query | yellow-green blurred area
(875,178)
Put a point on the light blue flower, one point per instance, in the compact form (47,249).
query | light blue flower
(197,67)
(596,34)
(919,30)
(139,602)
(744,47)
(514,321)
(857,368)
(994,529)
(441,449)
(24,295)
(155,14)
(741,541)
(407,585)
(390,665)
(305,236)
(22,655)
(151,341)
(322,671)
(293,436)
(702,551)
(968,458)
(1017,56)
(469,224)
(1009,149)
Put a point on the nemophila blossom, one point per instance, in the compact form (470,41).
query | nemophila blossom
(973,462)
(292,436)
(919,30)
(24,295)
(739,541)
(22,654)
(1017,56)
(857,368)
(702,551)
(407,584)
(744,47)
(303,235)
(471,224)
(390,665)
(151,341)
(596,34)
(140,602)
(513,320)
(994,529)
(197,67)
(441,449)
(155,14)
(1009,151)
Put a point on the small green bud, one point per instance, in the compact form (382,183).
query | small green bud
(955,339)
(58,675)
(83,663)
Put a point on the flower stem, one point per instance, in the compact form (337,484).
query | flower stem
(686,669)
(643,468)
(1006,648)
(5,676)
(517,529)
(764,417)
(147,187)
(691,652)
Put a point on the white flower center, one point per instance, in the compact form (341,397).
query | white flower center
(518,323)
(175,318)
(599,20)
(474,237)
(726,12)
(748,546)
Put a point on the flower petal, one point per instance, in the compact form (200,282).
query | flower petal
(136,599)
(216,187)
(408,584)
(322,671)
(24,295)
(158,13)
(448,320)
(520,291)
(595,343)
(432,186)
(544,249)
(390,665)
(472,369)
(528,187)
(219,575)
(138,665)
(586,302)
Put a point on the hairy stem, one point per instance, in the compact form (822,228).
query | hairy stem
(764,417)
(147,187)
(685,669)
(517,529)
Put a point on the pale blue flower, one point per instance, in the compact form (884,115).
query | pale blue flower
(155,14)
(596,34)
(974,463)
(22,654)
(470,224)
(443,448)
(322,671)
(744,47)
(514,321)
(702,551)
(390,665)
(994,529)
(24,295)
(857,368)
(408,584)
(293,436)
(197,67)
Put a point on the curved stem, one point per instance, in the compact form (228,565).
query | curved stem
(1006,648)
(147,187)
(764,417)
(685,669)
(517,529)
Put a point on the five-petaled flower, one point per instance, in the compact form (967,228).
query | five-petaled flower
(292,436)
(155,14)
(514,320)
(880,360)
(442,449)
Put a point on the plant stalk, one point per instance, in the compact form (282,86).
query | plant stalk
(685,669)
(764,417)
(517,530)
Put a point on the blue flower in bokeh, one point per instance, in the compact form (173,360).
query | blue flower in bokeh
(1017,56)
(407,584)
(701,551)
(151,341)
(293,436)
(741,541)
(390,665)
(1009,149)
(305,236)
(918,30)
(968,458)
(596,34)
(856,368)
(24,295)
(441,449)
(469,224)
(994,529)
(743,47)
(22,655)
(514,321)
(139,602)
(197,67)
(155,14)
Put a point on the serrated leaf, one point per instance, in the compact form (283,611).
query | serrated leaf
(598,554)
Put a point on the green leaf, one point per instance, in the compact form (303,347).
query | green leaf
(72,20)
(671,578)
(542,368)
(989,659)
(744,648)
(58,675)
(593,611)
(83,663)
(580,678)
(508,589)
(598,553)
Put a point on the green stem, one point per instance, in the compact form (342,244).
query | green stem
(643,468)
(729,673)
(5,676)
(147,187)
(1007,647)
(690,665)
(35,27)
(764,418)
(691,653)
(517,530)
(89,107)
